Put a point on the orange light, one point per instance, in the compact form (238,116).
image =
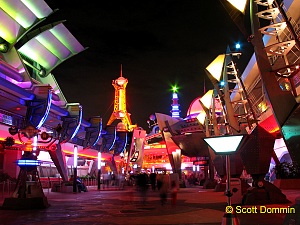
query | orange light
(80,154)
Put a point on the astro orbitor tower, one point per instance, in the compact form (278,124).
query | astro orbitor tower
(120,111)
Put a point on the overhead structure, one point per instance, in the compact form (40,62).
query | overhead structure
(47,47)
(284,54)
(16,23)
(31,97)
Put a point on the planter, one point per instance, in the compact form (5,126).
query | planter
(287,183)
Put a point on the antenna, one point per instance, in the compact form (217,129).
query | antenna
(121,75)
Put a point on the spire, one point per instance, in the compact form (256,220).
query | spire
(121,74)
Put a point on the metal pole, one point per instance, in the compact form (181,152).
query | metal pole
(99,169)
(75,168)
(228,191)
(99,178)
(75,180)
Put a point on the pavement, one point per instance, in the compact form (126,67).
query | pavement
(113,207)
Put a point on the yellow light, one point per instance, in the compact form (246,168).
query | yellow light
(239,4)
(215,67)
(206,99)
(28,146)
(263,106)
(201,117)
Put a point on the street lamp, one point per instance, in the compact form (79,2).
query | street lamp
(226,145)
(75,168)
(99,170)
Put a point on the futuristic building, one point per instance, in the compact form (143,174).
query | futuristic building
(31,101)
(263,102)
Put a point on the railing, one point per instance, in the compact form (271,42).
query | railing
(7,188)
(50,182)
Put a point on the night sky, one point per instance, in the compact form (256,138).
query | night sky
(160,43)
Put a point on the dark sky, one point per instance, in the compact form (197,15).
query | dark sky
(159,43)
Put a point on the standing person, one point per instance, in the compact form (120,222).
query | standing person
(80,185)
(163,184)
(153,181)
(174,190)
(142,186)
(105,180)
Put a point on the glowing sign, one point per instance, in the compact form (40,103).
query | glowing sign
(226,144)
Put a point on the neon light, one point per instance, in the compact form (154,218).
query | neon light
(175,106)
(79,123)
(28,162)
(75,155)
(99,160)
(174,88)
(47,111)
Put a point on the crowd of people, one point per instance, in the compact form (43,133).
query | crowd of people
(166,185)
(160,182)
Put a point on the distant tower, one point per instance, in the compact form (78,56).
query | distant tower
(120,111)
(175,111)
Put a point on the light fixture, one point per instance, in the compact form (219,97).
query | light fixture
(99,171)
(215,68)
(226,144)
(75,156)
(201,117)
(239,4)
(99,160)
(28,162)
(42,72)
(206,102)
(4,47)
(207,98)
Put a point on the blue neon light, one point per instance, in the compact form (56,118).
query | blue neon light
(28,162)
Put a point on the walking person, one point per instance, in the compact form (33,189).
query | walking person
(174,190)
(163,185)
(142,186)
(153,181)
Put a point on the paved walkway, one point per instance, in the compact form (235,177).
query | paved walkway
(113,207)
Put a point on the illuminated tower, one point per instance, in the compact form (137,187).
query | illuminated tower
(175,111)
(120,111)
